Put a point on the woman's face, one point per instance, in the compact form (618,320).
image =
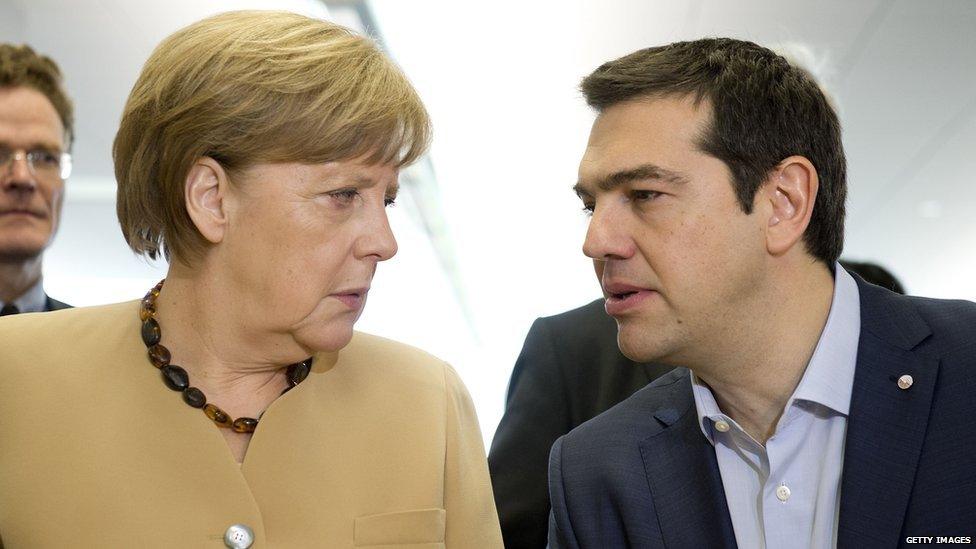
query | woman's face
(302,243)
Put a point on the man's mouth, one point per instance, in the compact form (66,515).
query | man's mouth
(622,297)
(23,211)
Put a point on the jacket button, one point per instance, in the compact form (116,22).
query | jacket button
(239,536)
(905,381)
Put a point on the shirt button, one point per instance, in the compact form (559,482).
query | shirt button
(722,426)
(783,493)
(238,536)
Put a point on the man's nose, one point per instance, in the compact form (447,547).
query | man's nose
(607,236)
(18,175)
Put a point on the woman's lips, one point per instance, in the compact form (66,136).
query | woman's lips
(353,300)
(618,304)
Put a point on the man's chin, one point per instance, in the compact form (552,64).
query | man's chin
(639,347)
(19,253)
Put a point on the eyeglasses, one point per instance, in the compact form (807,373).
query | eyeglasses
(44,164)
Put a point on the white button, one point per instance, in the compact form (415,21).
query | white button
(722,426)
(783,492)
(239,536)
(905,382)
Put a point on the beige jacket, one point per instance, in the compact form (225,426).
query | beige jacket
(379,447)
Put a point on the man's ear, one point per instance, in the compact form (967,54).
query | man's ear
(790,192)
(204,191)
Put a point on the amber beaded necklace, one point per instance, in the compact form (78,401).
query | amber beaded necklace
(177,379)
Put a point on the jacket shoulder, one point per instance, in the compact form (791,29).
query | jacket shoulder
(386,361)
(643,414)
(940,326)
(37,334)
(950,319)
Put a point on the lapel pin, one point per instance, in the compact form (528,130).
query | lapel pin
(905,381)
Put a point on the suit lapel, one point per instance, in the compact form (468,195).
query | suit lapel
(886,424)
(54,304)
(684,479)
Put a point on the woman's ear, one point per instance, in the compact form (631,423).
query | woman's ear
(204,191)
(790,191)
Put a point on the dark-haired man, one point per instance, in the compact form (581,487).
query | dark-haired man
(36,125)
(815,410)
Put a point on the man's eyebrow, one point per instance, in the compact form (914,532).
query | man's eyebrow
(639,173)
(49,146)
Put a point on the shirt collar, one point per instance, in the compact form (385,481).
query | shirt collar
(34,300)
(829,376)
(708,410)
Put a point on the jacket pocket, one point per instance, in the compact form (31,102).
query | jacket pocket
(401,527)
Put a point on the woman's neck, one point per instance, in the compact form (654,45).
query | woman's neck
(238,368)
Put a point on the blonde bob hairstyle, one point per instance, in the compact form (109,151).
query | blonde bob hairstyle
(253,87)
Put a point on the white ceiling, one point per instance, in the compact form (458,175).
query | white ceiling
(903,73)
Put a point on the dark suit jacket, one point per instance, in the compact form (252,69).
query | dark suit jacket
(643,474)
(569,371)
(54,304)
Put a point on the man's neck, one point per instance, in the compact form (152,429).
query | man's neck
(16,277)
(753,383)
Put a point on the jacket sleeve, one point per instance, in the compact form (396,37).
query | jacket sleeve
(471,517)
(561,534)
(536,414)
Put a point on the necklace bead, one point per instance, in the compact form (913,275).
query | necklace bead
(177,379)
(217,415)
(194,397)
(151,333)
(244,424)
(159,355)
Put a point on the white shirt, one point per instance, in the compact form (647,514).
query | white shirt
(787,494)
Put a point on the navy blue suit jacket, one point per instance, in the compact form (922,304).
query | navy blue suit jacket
(643,475)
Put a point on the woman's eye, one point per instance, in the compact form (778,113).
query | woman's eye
(345,196)
(389,201)
(588,209)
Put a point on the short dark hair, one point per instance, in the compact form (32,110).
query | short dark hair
(763,110)
(22,66)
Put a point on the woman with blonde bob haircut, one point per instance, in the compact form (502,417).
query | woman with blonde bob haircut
(234,404)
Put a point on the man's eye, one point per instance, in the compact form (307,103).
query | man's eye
(389,201)
(45,158)
(641,196)
(588,208)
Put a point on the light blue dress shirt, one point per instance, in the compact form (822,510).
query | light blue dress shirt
(34,300)
(786,494)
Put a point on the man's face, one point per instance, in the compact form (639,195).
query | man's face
(676,255)
(29,205)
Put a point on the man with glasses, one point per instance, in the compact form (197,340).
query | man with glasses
(36,129)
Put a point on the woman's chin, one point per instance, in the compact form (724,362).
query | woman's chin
(325,338)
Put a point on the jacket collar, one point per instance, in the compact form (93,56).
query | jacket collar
(886,427)
(682,472)
(887,424)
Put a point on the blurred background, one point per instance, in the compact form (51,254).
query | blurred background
(489,230)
